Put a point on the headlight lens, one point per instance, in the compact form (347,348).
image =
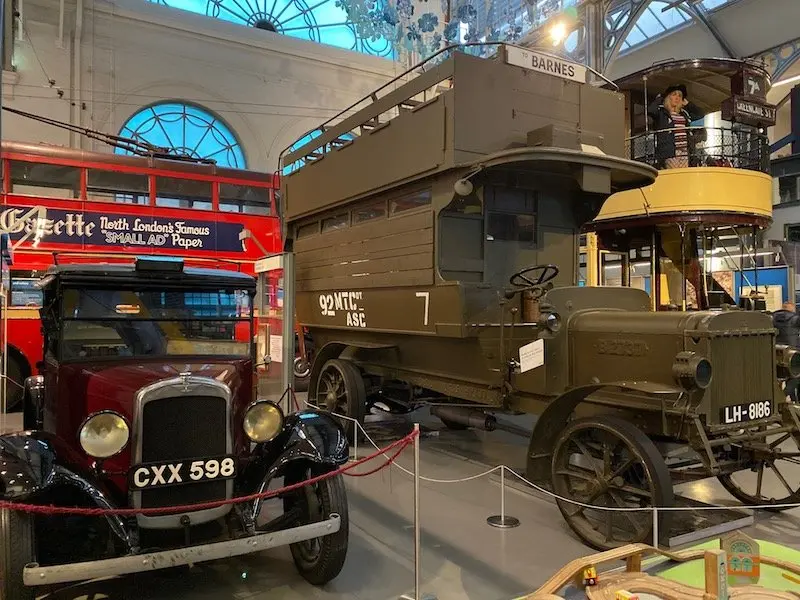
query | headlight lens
(263,420)
(104,434)
(788,361)
(692,371)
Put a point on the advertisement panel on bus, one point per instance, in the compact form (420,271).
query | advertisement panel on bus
(68,225)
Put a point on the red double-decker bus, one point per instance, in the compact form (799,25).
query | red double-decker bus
(61,204)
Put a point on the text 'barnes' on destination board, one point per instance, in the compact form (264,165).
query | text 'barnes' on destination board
(519,57)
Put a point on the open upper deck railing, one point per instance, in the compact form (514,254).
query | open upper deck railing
(399,94)
(705,147)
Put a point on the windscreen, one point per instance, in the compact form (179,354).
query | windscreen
(128,323)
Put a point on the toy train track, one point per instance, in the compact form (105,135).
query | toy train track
(635,581)
(672,590)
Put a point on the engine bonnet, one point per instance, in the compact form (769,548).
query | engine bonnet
(734,322)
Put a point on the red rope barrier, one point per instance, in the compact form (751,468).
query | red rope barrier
(399,445)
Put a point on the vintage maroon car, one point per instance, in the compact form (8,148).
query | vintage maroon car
(147,399)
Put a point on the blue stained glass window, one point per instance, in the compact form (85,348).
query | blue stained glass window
(304,140)
(367,27)
(187,130)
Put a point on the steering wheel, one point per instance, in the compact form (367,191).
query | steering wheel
(522,279)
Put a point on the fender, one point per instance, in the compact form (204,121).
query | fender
(554,418)
(31,463)
(27,465)
(309,435)
(334,350)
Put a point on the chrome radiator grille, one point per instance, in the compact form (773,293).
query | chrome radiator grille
(184,428)
(743,371)
(186,418)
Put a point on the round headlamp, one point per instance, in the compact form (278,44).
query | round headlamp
(551,321)
(263,420)
(788,361)
(104,434)
(692,371)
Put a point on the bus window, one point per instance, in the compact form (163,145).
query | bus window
(172,192)
(511,227)
(410,201)
(111,186)
(336,222)
(41,179)
(244,199)
(373,210)
(303,231)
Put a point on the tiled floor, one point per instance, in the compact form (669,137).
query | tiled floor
(462,557)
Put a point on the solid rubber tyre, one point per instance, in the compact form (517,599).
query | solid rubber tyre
(328,562)
(645,454)
(17,549)
(354,404)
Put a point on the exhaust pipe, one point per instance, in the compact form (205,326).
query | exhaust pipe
(469,417)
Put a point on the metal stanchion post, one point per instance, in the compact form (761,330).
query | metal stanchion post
(655,527)
(287,334)
(417,527)
(502,520)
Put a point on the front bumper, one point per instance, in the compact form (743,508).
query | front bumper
(33,574)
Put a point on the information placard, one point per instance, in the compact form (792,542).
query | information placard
(531,356)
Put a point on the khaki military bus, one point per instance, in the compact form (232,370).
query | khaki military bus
(435,228)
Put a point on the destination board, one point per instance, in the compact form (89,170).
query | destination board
(749,112)
(544,63)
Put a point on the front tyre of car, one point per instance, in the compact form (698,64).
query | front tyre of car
(319,560)
(16,550)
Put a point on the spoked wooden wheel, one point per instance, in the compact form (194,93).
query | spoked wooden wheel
(607,462)
(774,473)
(340,390)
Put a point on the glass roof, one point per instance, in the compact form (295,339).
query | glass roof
(655,21)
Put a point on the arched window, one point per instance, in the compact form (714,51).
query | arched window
(188,130)
(366,27)
(304,140)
